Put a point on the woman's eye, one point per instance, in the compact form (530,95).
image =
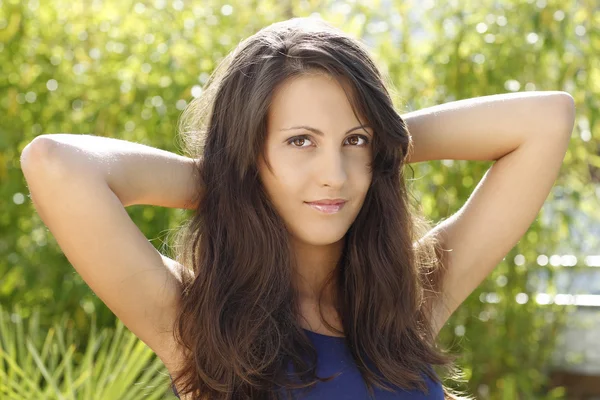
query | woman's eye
(364,138)
(298,141)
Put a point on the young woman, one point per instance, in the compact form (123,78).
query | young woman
(305,269)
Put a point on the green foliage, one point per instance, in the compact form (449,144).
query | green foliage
(112,364)
(127,69)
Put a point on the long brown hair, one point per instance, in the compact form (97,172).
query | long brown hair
(238,316)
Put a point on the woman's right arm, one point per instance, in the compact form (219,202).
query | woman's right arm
(79,187)
(136,173)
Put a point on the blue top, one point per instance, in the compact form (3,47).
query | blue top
(334,356)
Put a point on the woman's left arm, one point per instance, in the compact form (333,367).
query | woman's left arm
(527,135)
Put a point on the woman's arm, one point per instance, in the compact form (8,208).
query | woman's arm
(527,134)
(136,173)
(484,128)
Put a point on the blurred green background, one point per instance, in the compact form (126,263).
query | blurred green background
(127,69)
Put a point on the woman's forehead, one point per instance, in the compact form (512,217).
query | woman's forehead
(317,97)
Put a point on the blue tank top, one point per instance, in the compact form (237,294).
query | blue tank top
(334,356)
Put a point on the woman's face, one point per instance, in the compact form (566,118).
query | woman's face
(307,169)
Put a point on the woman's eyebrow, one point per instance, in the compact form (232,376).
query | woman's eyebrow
(318,132)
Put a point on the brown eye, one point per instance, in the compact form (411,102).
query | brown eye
(298,142)
(358,144)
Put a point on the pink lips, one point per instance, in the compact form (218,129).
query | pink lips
(327,208)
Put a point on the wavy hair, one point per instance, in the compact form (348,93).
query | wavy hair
(238,315)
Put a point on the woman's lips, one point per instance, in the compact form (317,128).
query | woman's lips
(327,208)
